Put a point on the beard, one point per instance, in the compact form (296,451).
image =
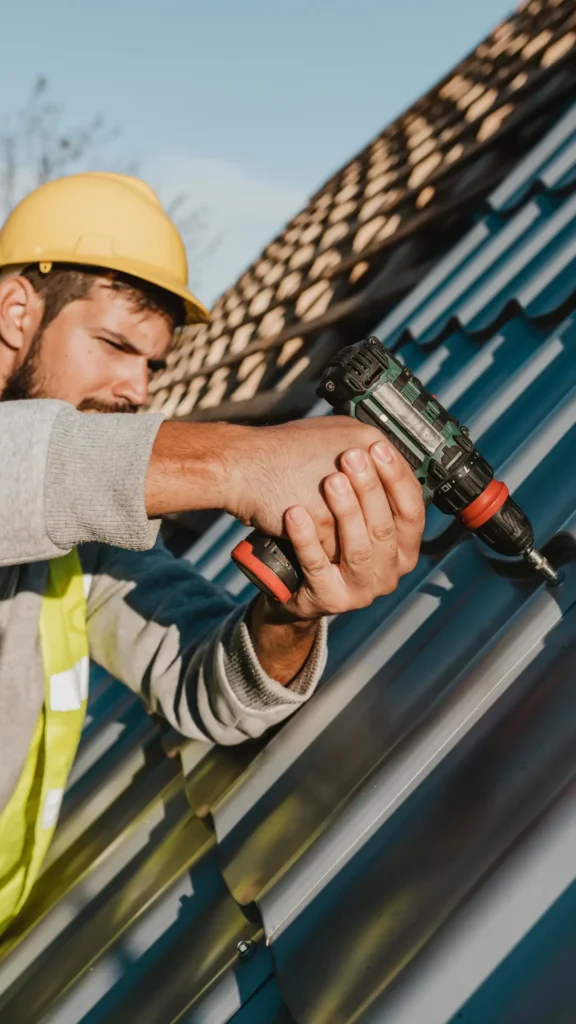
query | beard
(28,382)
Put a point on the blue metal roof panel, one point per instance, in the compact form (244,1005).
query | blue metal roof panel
(528,261)
(500,260)
(266,1007)
(434,819)
(561,172)
(505,389)
(471,277)
(393,327)
(547,163)
(536,981)
(502,957)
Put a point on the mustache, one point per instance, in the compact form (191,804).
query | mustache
(95,405)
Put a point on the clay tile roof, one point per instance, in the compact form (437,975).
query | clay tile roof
(377,225)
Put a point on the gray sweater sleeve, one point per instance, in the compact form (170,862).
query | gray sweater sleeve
(180,642)
(69,477)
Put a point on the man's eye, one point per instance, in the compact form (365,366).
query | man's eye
(112,344)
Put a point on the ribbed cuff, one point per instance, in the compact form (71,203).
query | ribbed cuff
(254,688)
(95,479)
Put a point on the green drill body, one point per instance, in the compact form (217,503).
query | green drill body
(426,435)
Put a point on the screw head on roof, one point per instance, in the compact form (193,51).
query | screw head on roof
(245,949)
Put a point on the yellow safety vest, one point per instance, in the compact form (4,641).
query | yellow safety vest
(27,822)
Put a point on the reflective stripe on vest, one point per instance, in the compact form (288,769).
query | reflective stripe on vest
(28,820)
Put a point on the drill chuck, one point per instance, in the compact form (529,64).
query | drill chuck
(501,523)
(368,382)
(536,559)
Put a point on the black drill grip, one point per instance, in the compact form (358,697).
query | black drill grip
(270,563)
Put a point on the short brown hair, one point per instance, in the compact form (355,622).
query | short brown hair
(68,282)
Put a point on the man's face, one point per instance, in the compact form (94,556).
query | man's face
(98,354)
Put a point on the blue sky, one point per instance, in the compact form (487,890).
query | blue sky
(246,105)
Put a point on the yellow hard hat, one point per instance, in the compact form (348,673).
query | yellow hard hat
(101,220)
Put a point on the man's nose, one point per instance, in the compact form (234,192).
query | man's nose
(133,386)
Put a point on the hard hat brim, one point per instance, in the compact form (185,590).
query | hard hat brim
(196,312)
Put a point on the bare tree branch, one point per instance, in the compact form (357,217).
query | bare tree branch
(193,225)
(36,146)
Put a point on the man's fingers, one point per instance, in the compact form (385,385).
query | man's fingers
(361,472)
(356,556)
(377,506)
(405,498)
(306,543)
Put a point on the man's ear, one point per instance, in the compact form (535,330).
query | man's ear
(20,313)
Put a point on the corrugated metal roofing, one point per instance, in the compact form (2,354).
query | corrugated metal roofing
(526,261)
(404,850)
(551,166)
(378,225)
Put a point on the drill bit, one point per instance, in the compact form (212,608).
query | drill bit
(552,577)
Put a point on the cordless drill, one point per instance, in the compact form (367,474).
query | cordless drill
(367,381)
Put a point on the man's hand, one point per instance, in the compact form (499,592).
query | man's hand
(257,473)
(283,466)
(254,473)
(377,506)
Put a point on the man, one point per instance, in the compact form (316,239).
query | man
(93,285)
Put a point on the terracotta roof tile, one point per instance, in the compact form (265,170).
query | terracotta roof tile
(435,161)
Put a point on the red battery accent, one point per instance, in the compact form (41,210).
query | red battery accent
(243,555)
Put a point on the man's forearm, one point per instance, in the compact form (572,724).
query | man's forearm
(282,644)
(193,466)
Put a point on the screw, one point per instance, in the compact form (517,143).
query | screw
(330,385)
(245,949)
